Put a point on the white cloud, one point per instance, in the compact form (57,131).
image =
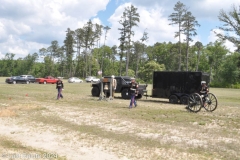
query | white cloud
(96,21)
(33,24)
(151,20)
(19,47)
(200,8)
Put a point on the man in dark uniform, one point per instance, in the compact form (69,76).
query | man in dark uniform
(203,91)
(59,87)
(133,92)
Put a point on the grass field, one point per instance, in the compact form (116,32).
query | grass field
(79,126)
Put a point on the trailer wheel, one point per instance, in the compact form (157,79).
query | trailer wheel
(184,100)
(125,94)
(95,91)
(173,99)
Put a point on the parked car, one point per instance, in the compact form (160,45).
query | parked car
(16,79)
(74,79)
(92,79)
(48,79)
(30,78)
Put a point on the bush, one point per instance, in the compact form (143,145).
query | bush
(224,85)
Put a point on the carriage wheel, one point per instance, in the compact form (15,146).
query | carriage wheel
(211,102)
(195,102)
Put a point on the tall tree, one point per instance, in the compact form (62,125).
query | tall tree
(189,30)
(231,24)
(106,28)
(141,46)
(52,52)
(132,19)
(178,18)
(69,49)
(123,39)
(88,42)
(199,46)
(135,57)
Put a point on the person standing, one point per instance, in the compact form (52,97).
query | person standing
(133,92)
(114,85)
(59,87)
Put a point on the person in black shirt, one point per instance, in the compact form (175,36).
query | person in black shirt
(59,87)
(133,92)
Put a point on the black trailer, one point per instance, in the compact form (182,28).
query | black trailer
(177,86)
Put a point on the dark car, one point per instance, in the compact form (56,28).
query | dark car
(16,79)
(30,78)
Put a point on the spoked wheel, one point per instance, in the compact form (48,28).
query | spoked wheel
(195,102)
(211,102)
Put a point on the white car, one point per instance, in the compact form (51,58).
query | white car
(74,80)
(92,79)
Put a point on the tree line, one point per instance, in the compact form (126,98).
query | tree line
(81,54)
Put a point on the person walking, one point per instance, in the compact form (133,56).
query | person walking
(133,91)
(59,87)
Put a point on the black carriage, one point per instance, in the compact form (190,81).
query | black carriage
(177,86)
(183,87)
(196,102)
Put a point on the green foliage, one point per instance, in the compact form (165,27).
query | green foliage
(229,69)
(146,72)
(131,73)
(217,84)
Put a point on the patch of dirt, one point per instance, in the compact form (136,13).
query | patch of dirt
(70,143)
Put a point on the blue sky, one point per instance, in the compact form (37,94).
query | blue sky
(29,25)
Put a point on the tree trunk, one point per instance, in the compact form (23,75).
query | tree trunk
(198,57)
(120,70)
(179,50)
(187,55)
(210,73)
(127,62)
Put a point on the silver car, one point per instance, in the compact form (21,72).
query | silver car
(91,79)
(74,80)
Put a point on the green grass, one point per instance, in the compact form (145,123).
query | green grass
(18,149)
(152,116)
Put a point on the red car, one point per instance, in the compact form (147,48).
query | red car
(48,79)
